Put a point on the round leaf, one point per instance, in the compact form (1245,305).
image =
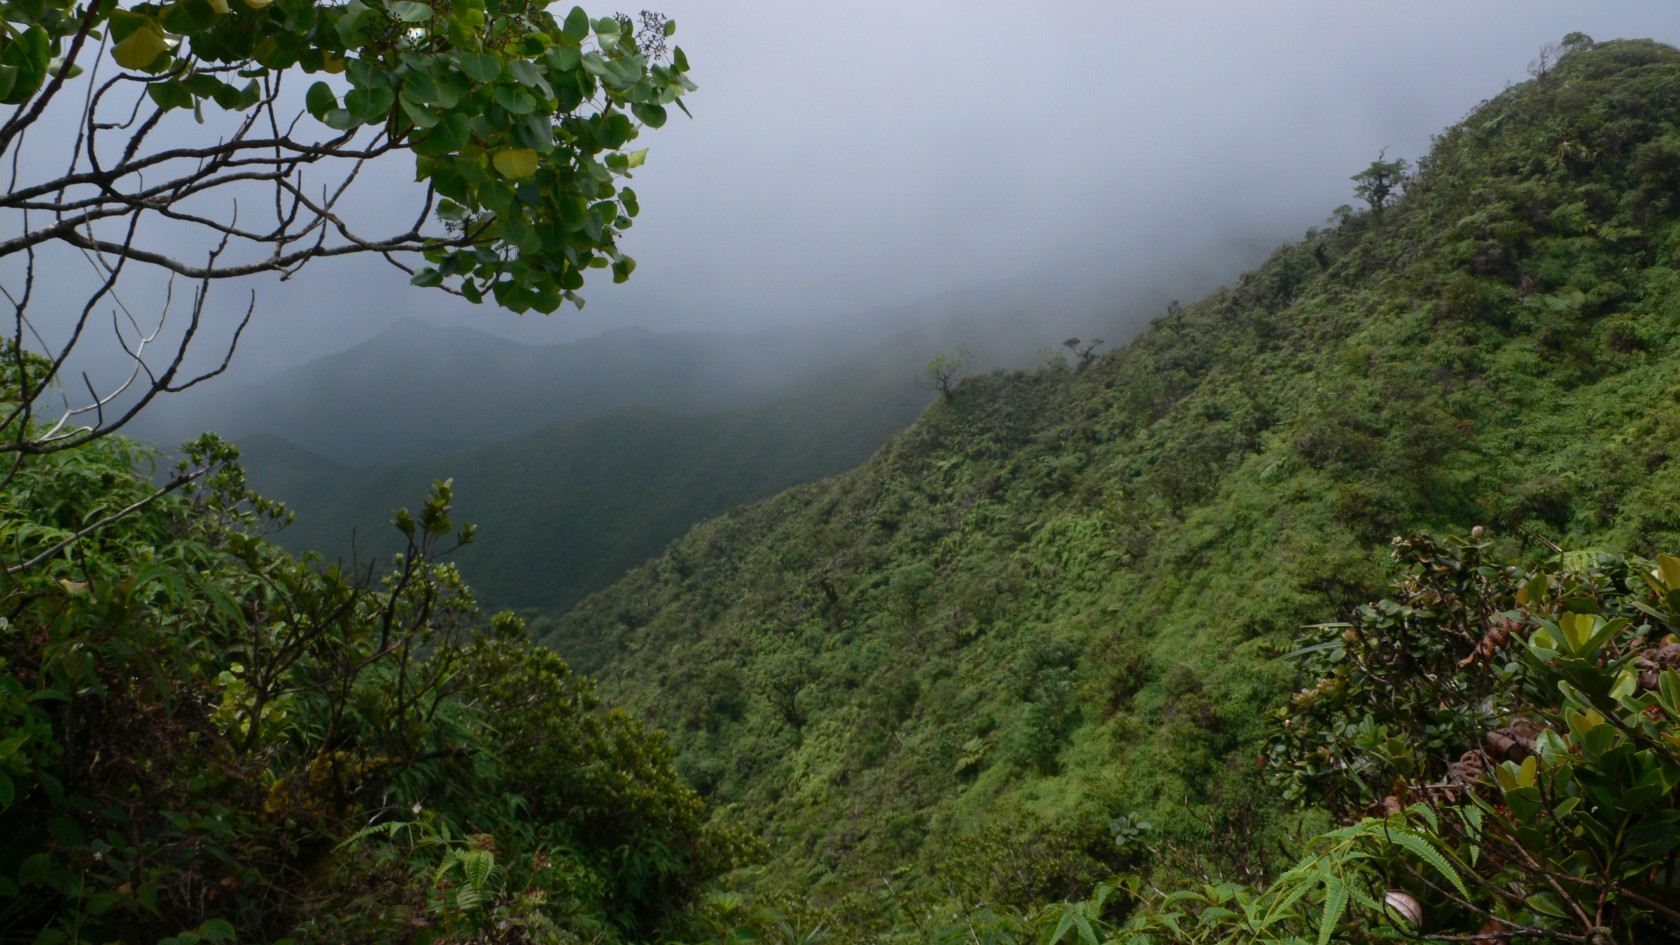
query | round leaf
(481,67)
(320,99)
(516,162)
(141,48)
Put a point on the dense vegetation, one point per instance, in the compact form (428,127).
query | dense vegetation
(1035,672)
(1049,613)
(207,737)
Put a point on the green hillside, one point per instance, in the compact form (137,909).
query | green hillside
(1046,613)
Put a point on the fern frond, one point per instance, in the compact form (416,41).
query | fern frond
(1335,903)
(1427,852)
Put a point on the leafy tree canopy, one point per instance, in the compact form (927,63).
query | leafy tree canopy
(518,121)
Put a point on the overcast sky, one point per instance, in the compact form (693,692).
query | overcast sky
(848,155)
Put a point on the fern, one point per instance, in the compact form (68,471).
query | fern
(477,865)
(1335,903)
(1427,852)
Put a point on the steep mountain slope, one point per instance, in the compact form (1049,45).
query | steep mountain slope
(1045,613)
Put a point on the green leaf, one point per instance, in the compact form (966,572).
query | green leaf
(1087,935)
(370,105)
(1603,635)
(1062,927)
(450,134)
(422,116)
(576,28)
(516,100)
(340,119)
(481,67)
(1668,689)
(1627,683)
(515,162)
(217,930)
(67,830)
(1429,854)
(1577,629)
(1546,904)
(320,99)
(170,94)
(566,58)
(477,865)
(34,869)
(1335,903)
(1669,565)
(420,87)
(142,48)
(411,11)
(526,74)
(187,17)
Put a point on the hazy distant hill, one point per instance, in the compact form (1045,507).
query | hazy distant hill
(416,389)
(566,509)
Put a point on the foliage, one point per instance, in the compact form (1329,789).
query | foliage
(516,118)
(1547,736)
(518,123)
(1558,820)
(1380,182)
(1060,591)
(205,737)
(1561,824)
(1083,351)
(945,371)
(1031,643)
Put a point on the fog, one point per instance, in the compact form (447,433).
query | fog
(847,156)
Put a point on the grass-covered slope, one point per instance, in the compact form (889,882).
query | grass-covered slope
(1049,604)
